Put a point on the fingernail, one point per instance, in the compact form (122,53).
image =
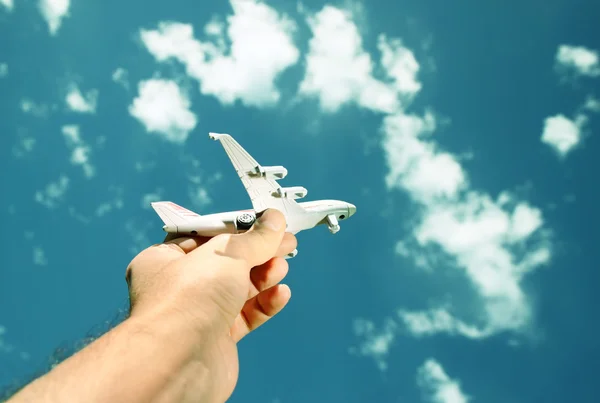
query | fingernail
(269,220)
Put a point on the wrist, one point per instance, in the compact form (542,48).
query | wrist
(173,320)
(177,354)
(151,357)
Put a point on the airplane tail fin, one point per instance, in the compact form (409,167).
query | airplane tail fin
(172,214)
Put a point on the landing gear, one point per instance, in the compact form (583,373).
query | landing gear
(332,223)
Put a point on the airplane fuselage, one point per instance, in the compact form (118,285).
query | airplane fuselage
(261,183)
(315,213)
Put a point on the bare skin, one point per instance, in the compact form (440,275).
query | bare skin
(192,300)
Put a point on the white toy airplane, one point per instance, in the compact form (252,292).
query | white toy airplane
(264,191)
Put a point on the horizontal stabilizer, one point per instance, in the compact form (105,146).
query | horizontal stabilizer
(173,215)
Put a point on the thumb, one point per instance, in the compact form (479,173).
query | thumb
(257,245)
(261,242)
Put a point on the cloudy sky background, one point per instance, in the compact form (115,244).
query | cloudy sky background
(465,134)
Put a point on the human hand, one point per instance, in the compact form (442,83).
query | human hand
(218,290)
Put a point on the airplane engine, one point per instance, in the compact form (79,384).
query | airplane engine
(244,221)
(293,192)
(274,172)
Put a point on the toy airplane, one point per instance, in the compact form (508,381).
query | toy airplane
(264,191)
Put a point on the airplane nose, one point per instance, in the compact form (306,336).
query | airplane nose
(351,209)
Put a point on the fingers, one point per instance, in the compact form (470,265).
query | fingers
(267,275)
(157,256)
(187,244)
(260,309)
(288,244)
(255,246)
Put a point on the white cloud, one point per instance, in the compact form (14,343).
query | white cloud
(121,77)
(416,164)
(3,70)
(53,194)
(261,49)
(163,108)
(578,60)
(54,11)
(39,257)
(8,4)
(592,104)
(439,320)
(82,103)
(562,133)
(486,242)
(400,65)
(437,386)
(492,244)
(80,151)
(339,71)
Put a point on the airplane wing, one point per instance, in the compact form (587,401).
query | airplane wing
(260,188)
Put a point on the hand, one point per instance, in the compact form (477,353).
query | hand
(220,288)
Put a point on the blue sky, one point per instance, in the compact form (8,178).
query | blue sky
(464,133)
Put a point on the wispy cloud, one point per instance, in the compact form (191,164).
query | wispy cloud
(438,320)
(79,102)
(39,257)
(577,61)
(163,108)
(4,346)
(116,203)
(144,166)
(36,109)
(8,4)
(24,145)
(54,11)
(339,71)
(437,386)
(376,342)
(3,70)
(148,198)
(255,31)
(53,194)
(139,234)
(592,104)
(121,77)
(199,196)
(80,151)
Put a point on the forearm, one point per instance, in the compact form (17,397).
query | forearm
(150,359)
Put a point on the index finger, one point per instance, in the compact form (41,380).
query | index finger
(186,243)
